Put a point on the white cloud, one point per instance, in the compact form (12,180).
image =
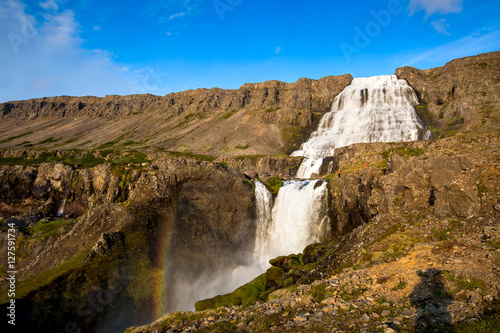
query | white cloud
(50,5)
(97,28)
(48,59)
(441,26)
(436,6)
(278,50)
(177,15)
(468,46)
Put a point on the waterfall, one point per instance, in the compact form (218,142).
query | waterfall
(60,210)
(373,109)
(298,218)
(264,204)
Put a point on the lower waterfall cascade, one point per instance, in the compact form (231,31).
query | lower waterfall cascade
(298,218)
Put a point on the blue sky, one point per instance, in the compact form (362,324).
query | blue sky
(90,47)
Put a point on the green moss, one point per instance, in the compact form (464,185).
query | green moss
(424,114)
(44,230)
(274,184)
(245,295)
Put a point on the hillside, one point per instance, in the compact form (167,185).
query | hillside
(157,200)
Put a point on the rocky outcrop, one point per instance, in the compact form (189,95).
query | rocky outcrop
(460,97)
(264,167)
(416,175)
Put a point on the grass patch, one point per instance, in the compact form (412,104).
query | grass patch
(199,157)
(16,136)
(48,140)
(46,277)
(44,230)
(229,114)
(481,190)
(407,152)
(110,143)
(469,284)
(84,143)
(243,147)
(245,295)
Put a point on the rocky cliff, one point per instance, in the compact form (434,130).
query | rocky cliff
(120,222)
(268,118)
(164,196)
(460,97)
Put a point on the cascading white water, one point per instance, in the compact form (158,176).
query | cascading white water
(264,204)
(60,210)
(298,218)
(373,109)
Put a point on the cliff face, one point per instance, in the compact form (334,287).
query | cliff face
(121,222)
(461,97)
(304,94)
(268,118)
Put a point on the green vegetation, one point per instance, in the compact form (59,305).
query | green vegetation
(16,136)
(245,295)
(44,230)
(406,152)
(319,293)
(424,114)
(481,190)
(84,143)
(110,143)
(274,184)
(243,147)
(229,114)
(48,140)
(469,284)
(293,136)
(46,277)
(88,160)
(270,110)
(199,157)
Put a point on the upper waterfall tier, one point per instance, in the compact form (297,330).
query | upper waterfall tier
(373,109)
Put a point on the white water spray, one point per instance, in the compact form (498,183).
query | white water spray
(60,210)
(297,219)
(373,109)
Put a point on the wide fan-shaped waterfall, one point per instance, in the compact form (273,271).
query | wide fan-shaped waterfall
(373,109)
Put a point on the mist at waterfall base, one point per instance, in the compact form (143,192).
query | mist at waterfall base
(297,219)
(375,109)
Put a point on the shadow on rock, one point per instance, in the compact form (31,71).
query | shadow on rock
(432,301)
